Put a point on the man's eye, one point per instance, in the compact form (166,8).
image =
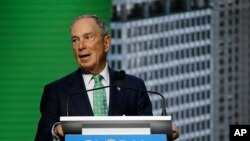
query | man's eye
(89,37)
(74,40)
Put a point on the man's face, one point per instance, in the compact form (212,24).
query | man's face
(89,46)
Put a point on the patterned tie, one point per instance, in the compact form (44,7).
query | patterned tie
(99,96)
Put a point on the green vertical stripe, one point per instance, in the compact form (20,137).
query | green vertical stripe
(35,49)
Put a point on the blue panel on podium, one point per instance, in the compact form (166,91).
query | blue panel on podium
(153,137)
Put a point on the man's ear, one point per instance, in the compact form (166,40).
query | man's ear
(107,43)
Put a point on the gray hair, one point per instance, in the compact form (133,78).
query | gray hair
(100,22)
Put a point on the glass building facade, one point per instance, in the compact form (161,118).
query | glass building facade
(177,47)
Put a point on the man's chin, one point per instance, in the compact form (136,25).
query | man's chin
(91,69)
(87,69)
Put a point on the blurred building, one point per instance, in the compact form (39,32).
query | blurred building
(230,61)
(195,52)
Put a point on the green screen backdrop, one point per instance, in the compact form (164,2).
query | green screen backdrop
(35,49)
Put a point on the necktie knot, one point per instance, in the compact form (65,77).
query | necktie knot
(97,78)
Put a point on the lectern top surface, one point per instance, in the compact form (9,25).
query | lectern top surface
(113,118)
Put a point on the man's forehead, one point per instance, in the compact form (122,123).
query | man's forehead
(85,24)
(84,20)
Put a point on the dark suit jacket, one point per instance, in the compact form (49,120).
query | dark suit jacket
(54,100)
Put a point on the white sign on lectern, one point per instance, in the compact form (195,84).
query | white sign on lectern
(89,125)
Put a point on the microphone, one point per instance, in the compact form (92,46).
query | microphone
(120,76)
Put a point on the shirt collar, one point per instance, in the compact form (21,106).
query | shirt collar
(105,74)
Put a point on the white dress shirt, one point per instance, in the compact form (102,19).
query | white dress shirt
(89,84)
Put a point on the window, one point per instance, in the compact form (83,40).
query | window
(119,33)
(119,49)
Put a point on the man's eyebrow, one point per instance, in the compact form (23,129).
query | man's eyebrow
(74,36)
(89,33)
(85,34)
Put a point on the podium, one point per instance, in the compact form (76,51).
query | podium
(116,128)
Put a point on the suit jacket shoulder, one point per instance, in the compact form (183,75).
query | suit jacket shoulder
(67,80)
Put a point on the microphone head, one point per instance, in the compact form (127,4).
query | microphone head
(118,78)
(119,75)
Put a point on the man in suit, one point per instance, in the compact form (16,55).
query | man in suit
(91,42)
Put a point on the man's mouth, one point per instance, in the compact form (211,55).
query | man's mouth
(84,55)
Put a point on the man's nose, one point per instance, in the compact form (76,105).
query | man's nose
(82,45)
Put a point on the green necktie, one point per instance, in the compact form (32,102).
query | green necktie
(99,98)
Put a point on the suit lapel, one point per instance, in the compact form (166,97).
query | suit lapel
(116,97)
(80,101)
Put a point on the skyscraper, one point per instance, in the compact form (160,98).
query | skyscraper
(177,47)
(231,73)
